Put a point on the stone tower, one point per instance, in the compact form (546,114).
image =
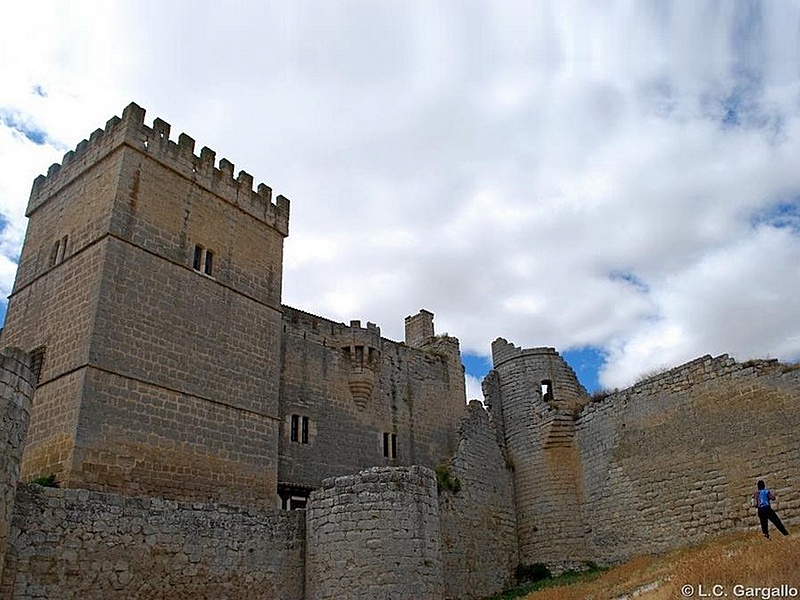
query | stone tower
(535,397)
(149,288)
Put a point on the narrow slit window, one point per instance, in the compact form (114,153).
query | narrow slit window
(294,428)
(198,258)
(304,431)
(389,445)
(64,241)
(208,263)
(54,253)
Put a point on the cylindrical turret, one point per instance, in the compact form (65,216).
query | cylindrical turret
(538,396)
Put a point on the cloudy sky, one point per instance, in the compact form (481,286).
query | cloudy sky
(620,180)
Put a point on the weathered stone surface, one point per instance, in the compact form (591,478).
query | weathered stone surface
(666,462)
(17,382)
(375,535)
(479,539)
(74,544)
(178,400)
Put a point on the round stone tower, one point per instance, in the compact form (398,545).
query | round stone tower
(536,396)
(375,535)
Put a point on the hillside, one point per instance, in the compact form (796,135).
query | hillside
(736,564)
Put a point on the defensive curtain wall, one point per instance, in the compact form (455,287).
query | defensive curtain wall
(663,463)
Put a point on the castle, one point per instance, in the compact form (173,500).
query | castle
(186,413)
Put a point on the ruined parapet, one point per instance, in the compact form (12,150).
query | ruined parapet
(362,348)
(16,390)
(537,396)
(375,535)
(155,142)
(557,385)
(419,328)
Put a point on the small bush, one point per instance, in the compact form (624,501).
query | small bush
(46,481)
(532,573)
(446,482)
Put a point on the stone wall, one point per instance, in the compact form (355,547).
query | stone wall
(676,458)
(479,538)
(375,535)
(81,545)
(16,388)
(356,387)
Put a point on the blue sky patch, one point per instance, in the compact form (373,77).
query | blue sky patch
(781,215)
(586,362)
(15,120)
(629,278)
(476,365)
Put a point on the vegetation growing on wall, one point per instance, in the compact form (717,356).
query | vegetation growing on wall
(445,481)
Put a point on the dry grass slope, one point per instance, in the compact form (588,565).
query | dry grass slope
(741,559)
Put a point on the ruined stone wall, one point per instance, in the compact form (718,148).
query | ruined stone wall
(375,535)
(537,395)
(676,458)
(479,537)
(81,545)
(16,388)
(355,387)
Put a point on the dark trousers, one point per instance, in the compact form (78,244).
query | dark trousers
(766,513)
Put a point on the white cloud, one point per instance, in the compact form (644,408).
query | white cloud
(474,389)
(559,173)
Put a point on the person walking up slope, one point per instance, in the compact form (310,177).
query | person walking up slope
(763,498)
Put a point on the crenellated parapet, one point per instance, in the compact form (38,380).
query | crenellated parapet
(179,156)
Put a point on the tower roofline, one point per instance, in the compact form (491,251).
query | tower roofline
(503,351)
(155,142)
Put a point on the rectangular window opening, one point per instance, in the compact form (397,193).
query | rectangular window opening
(294,427)
(198,258)
(547,390)
(64,241)
(304,431)
(209,262)
(54,252)
(389,445)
